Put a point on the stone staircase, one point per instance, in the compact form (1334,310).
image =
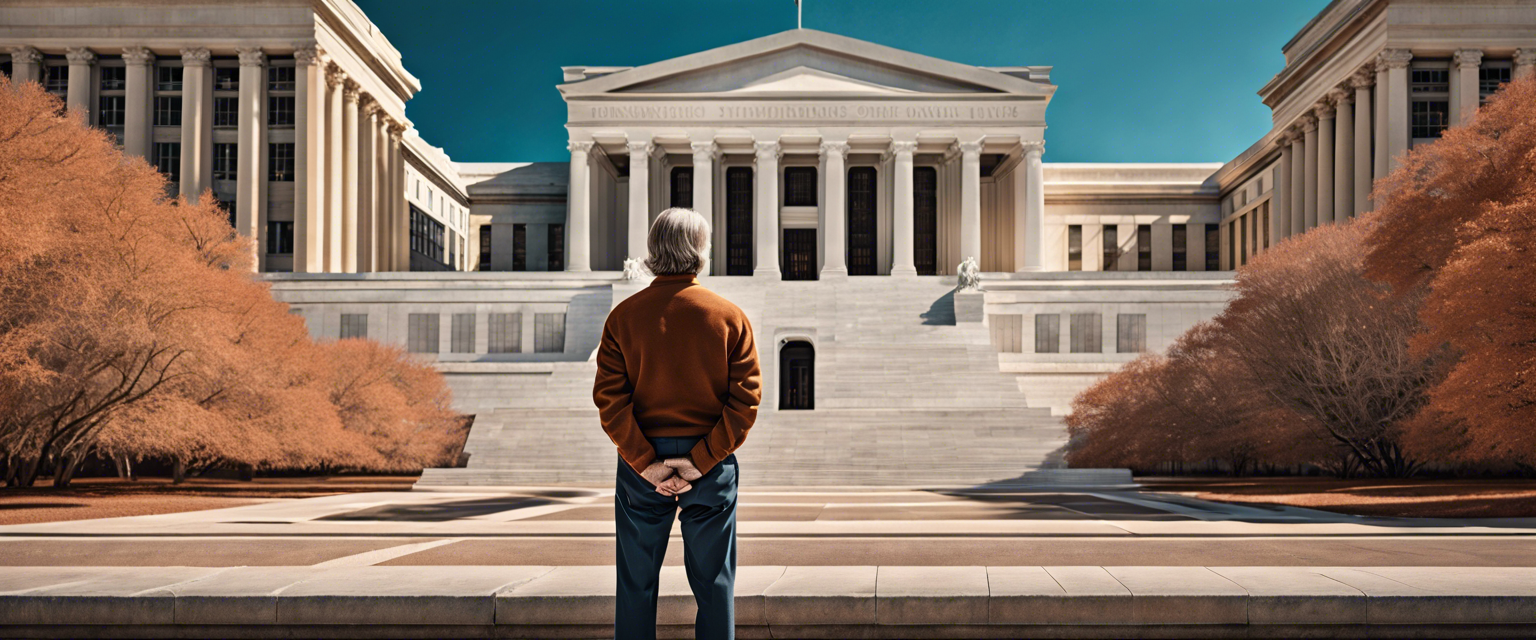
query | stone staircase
(904,396)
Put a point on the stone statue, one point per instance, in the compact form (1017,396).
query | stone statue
(970,275)
(634,270)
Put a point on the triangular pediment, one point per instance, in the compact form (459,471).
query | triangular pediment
(805,80)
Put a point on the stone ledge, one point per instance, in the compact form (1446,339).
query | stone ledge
(810,602)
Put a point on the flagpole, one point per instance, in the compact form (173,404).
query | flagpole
(799,15)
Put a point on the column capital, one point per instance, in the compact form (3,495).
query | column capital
(1283,139)
(196,57)
(334,76)
(1308,124)
(1469,58)
(908,147)
(704,150)
(307,54)
(768,150)
(971,149)
(80,55)
(251,56)
(840,149)
(1524,57)
(396,129)
(26,54)
(351,91)
(1034,148)
(1363,77)
(640,148)
(1324,108)
(1393,58)
(1340,96)
(579,146)
(138,55)
(370,107)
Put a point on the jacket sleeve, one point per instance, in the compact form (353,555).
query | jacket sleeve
(743,394)
(613,394)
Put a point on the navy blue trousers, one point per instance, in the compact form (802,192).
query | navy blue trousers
(644,521)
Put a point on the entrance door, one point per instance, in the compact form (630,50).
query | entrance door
(738,221)
(797,377)
(800,254)
(861,221)
(925,220)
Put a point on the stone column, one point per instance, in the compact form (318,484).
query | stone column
(640,197)
(766,228)
(970,200)
(1468,95)
(382,259)
(196,122)
(704,194)
(335,168)
(1280,216)
(1343,154)
(904,258)
(1525,62)
(367,211)
(1298,213)
(349,175)
(1361,82)
(308,160)
(399,213)
(834,232)
(579,217)
(138,61)
(79,96)
(251,174)
(1379,155)
(1309,175)
(26,64)
(1325,114)
(1034,207)
(1396,62)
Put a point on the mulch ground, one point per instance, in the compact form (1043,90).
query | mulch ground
(89,498)
(1413,498)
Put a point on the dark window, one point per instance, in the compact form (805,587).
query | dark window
(280,79)
(797,377)
(1047,333)
(861,222)
(1111,247)
(800,186)
(738,221)
(1131,333)
(56,78)
(1430,81)
(800,254)
(925,220)
(168,78)
(280,237)
(111,111)
(229,209)
(519,247)
(1212,247)
(280,161)
(1430,118)
(1086,333)
(353,325)
(1242,240)
(280,111)
(168,159)
(1263,230)
(426,235)
(114,78)
(5,68)
(226,113)
(682,186)
(485,247)
(226,78)
(167,111)
(1180,248)
(1074,247)
(557,248)
(1491,79)
(226,161)
(1143,247)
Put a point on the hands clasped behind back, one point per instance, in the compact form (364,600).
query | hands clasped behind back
(671,476)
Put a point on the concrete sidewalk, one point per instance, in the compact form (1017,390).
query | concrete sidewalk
(773,601)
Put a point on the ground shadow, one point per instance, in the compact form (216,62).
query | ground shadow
(942,311)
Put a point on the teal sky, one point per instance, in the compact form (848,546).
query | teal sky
(1140,80)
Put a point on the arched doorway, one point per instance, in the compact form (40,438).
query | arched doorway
(797,376)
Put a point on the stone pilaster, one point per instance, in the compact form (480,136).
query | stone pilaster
(78,99)
(399,213)
(1525,62)
(1309,175)
(704,154)
(1465,94)
(367,177)
(196,122)
(26,64)
(138,62)
(579,217)
(639,197)
(1298,213)
(1280,200)
(1361,82)
(1034,207)
(904,258)
(309,171)
(1325,141)
(834,235)
(350,109)
(335,166)
(251,176)
(970,200)
(1343,153)
(1396,63)
(766,231)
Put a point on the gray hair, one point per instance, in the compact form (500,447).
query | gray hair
(678,243)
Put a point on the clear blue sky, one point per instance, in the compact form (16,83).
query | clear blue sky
(1140,80)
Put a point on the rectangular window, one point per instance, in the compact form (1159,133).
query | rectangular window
(1074,247)
(1180,248)
(226,78)
(1111,247)
(111,111)
(1144,247)
(168,78)
(226,113)
(229,209)
(56,78)
(422,332)
(168,159)
(1212,247)
(800,186)
(485,247)
(353,325)
(426,235)
(1131,333)
(1430,81)
(738,221)
(280,111)
(463,338)
(280,161)
(280,237)
(1492,78)
(548,332)
(1047,333)
(167,111)
(519,247)
(1007,332)
(280,79)
(1086,331)
(226,161)
(504,333)
(1430,118)
(682,187)
(114,78)
(1263,230)
(1242,240)
(557,251)
(925,220)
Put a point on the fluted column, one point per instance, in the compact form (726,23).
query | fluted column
(349,175)
(1298,213)
(79,96)
(367,207)
(335,168)
(26,64)
(1280,215)
(399,213)
(904,258)
(704,194)
(196,122)
(1525,62)
(1361,82)
(308,160)
(1325,141)
(137,62)
(1379,155)
(1343,154)
(1309,214)
(579,217)
(382,260)
(834,236)
(1034,207)
(251,175)
(766,231)
(639,197)
(970,200)
(1468,96)
(1396,61)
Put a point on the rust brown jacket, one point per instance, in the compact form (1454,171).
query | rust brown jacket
(677,360)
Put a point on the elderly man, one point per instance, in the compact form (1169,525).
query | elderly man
(677,390)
